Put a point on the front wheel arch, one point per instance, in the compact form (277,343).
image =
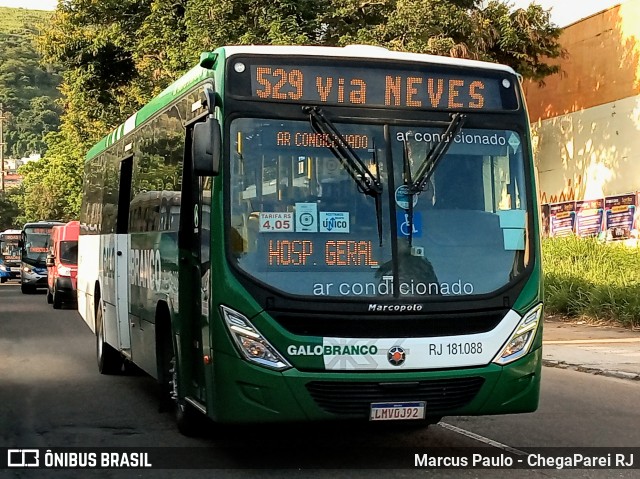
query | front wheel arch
(168,364)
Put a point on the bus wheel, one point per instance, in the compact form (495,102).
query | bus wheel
(187,418)
(109,360)
(3,280)
(57,304)
(27,289)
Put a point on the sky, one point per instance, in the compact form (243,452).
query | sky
(563,12)
(31,4)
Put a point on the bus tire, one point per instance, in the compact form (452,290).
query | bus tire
(57,303)
(187,418)
(3,280)
(27,289)
(109,360)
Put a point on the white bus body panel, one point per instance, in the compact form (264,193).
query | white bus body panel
(99,263)
(89,259)
(114,290)
(123,246)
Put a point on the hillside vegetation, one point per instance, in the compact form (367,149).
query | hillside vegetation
(22,21)
(28,90)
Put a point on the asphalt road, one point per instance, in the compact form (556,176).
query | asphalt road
(52,396)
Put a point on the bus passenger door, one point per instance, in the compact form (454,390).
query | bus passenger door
(121,258)
(194,257)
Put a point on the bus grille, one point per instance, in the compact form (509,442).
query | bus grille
(355,398)
(373,326)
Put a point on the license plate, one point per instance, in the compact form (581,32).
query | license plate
(397,411)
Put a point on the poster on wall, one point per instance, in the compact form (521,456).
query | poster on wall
(619,212)
(562,218)
(544,220)
(589,217)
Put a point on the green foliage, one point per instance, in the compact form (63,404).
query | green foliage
(52,186)
(584,277)
(119,53)
(9,210)
(27,89)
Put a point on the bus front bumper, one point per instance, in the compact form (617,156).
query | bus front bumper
(246,393)
(33,279)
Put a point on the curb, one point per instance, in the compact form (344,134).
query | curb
(599,372)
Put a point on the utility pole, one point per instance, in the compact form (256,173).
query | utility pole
(1,148)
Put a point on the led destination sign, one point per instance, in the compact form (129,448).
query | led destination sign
(331,253)
(429,88)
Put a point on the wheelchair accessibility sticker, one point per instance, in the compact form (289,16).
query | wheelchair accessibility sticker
(402,221)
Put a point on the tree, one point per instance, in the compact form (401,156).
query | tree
(9,210)
(51,187)
(117,54)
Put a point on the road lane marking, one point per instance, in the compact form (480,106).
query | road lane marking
(482,439)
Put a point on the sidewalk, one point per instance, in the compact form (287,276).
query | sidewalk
(606,350)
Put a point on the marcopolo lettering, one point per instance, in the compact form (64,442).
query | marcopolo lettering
(332,350)
(394,308)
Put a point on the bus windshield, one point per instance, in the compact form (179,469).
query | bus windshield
(9,249)
(295,209)
(69,252)
(36,244)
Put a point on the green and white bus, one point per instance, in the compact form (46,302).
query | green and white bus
(309,233)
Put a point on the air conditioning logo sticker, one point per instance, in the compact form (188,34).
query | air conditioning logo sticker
(396,356)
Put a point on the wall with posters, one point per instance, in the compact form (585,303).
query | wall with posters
(610,218)
(586,120)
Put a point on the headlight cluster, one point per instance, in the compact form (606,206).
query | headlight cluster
(3,267)
(251,343)
(64,270)
(520,341)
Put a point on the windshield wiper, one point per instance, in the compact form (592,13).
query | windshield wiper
(367,182)
(430,162)
(428,165)
(406,177)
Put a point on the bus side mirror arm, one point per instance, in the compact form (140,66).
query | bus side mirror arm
(206,147)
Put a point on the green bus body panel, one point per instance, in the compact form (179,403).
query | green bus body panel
(193,77)
(246,393)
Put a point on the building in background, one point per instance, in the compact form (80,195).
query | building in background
(586,123)
(11,165)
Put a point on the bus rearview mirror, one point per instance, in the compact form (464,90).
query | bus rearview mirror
(206,147)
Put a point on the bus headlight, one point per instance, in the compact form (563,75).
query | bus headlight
(3,267)
(64,270)
(522,338)
(253,346)
(27,269)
